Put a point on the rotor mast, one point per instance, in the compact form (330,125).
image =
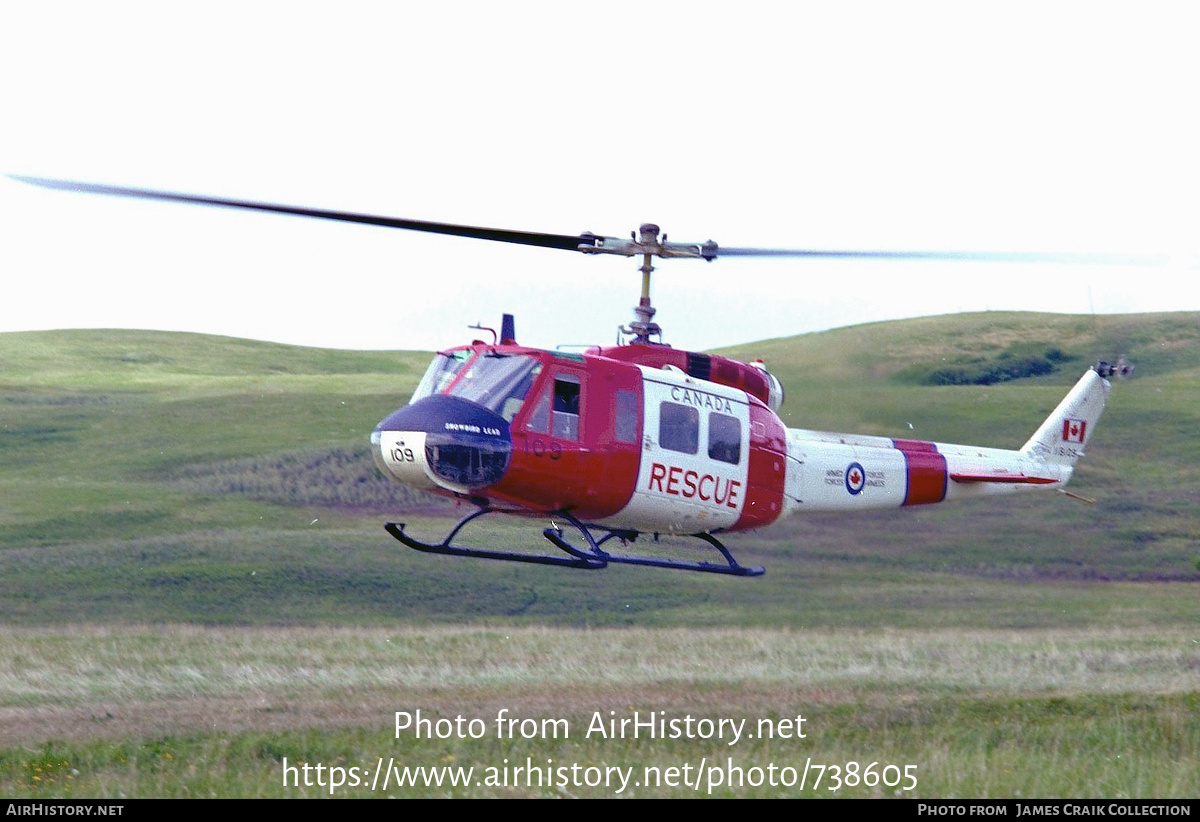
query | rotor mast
(645,241)
(644,327)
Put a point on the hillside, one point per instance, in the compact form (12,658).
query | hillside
(148,476)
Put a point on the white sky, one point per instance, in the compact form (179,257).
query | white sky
(1016,126)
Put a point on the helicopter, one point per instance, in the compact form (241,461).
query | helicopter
(639,438)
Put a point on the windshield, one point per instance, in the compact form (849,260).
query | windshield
(440,373)
(499,383)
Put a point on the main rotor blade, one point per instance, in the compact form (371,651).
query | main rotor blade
(561,241)
(960,256)
(591,243)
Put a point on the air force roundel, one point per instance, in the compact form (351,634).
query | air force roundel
(856,478)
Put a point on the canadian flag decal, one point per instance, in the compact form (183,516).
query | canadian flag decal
(1074,430)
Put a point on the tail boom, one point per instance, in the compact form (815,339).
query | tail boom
(838,472)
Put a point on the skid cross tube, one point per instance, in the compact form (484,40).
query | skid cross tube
(731,566)
(577,560)
(591,557)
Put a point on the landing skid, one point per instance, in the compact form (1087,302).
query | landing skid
(578,558)
(592,557)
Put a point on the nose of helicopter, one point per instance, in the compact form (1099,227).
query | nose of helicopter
(443,441)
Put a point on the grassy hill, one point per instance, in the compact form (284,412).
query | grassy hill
(150,476)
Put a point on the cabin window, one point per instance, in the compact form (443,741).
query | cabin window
(724,438)
(679,427)
(626,424)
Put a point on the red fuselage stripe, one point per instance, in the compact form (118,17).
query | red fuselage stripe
(926,470)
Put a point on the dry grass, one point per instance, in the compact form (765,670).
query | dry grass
(144,681)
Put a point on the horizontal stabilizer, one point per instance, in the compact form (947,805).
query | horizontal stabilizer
(1005,478)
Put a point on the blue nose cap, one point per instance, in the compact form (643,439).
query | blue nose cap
(466,444)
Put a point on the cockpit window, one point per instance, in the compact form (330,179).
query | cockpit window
(441,372)
(498,383)
(565,419)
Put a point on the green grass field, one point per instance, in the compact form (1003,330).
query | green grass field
(195,584)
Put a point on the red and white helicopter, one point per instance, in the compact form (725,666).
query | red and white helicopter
(642,438)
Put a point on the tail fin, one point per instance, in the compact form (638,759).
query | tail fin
(1062,438)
